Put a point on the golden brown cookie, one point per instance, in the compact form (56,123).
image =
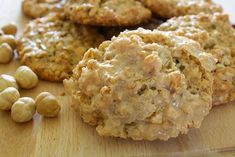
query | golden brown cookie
(172,8)
(40,8)
(107,12)
(52,46)
(217,36)
(143,84)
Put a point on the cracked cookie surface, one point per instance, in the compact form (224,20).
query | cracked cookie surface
(172,8)
(143,85)
(107,12)
(217,36)
(40,8)
(52,46)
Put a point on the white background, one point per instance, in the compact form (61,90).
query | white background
(229,7)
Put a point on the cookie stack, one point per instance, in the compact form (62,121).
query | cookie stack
(128,76)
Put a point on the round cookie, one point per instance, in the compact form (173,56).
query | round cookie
(143,84)
(40,8)
(217,36)
(172,8)
(52,46)
(107,13)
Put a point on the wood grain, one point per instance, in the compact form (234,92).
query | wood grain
(68,136)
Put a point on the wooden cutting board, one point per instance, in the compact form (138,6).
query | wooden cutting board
(68,136)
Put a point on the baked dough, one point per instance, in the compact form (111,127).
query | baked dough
(40,8)
(52,46)
(217,36)
(107,12)
(143,85)
(172,8)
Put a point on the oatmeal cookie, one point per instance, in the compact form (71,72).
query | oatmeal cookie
(172,8)
(143,84)
(217,36)
(52,46)
(107,12)
(39,8)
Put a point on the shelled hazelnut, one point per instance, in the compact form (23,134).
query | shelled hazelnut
(47,105)
(10,29)
(8,97)
(23,110)
(7,81)
(6,53)
(26,78)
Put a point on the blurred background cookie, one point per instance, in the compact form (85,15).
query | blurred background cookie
(52,46)
(172,8)
(107,13)
(216,35)
(39,8)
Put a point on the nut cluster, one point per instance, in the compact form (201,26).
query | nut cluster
(7,43)
(23,109)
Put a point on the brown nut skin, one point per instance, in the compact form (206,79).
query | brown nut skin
(8,97)
(23,110)
(26,78)
(10,29)
(10,39)
(7,81)
(47,105)
(6,53)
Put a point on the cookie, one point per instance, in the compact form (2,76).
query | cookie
(107,13)
(109,32)
(217,36)
(40,8)
(52,46)
(143,84)
(172,8)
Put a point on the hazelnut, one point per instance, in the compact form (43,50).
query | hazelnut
(10,28)
(6,53)
(47,105)
(8,97)
(23,110)
(7,81)
(10,39)
(26,78)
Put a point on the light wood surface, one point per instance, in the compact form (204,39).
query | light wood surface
(67,136)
